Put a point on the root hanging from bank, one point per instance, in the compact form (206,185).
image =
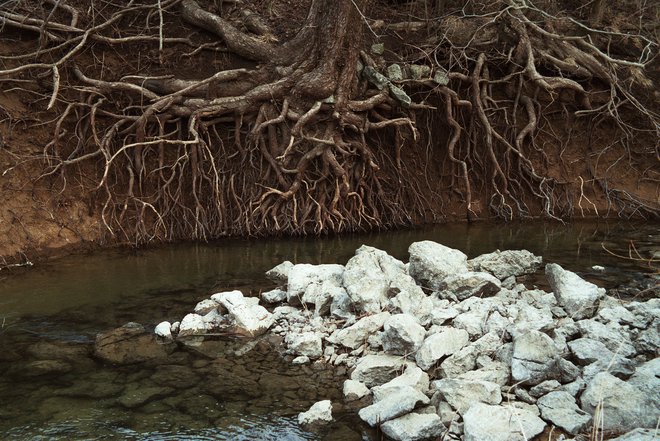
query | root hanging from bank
(299,133)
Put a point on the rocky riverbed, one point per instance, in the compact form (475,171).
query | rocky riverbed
(443,347)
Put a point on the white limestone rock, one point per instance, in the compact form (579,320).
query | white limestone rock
(320,413)
(400,402)
(431,262)
(248,317)
(193,324)
(305,343)
(402,334)
(413,377)
(274,296)
(376,369)
(206,306)
(354,390)
(303,275)
(414,427)
(484,422)
(504,264)
(280,273)
(357,334)
(463,285)
(164,329)
(613,336)
(577,296)
(440,345)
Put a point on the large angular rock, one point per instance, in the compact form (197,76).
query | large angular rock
(413,377)
(647,379)
(577,296)
(484,422)
(431,262)
(375,370)
(595,354)
(357,334)
(301,276)
(400,402)
(534,358)
(402,335)
(503,264)
(638,435)
(129,344)
(613,336)
(410,299)
(274,296)
(561,410)
(622,406)
(320,413)
(439,345)
(305,343)
(414,427)
(248,317)
(464,285)
(367,278)
(461,394)
(193,324)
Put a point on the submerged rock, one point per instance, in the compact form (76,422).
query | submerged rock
(129,344)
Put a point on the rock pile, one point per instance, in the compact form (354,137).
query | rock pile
(449,347)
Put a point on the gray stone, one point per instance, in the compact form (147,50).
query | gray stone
(534,358)
(577,296)
(613,336)
(544,388)
(410,299)
(431,262)
(402,335)
(561,410)
(280,274)
(644,312)
(378,48)
(341,306)
(354,390)
(419,71)
(413,427)
(484,422)
(400,402)
(400,96)
(495,372)
(357,334)
(440,345)
(305,343)
(504,264)
(374,370)
(461,394)
(320,413)
(647,379)
(529,318)
(464,285)
(595,354)
(616,314)
(302,359)
(274,296)
(620,405)
(441,78)
(394,72)
(648,340)
(379,80)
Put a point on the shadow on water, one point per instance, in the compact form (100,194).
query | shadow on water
(52,388)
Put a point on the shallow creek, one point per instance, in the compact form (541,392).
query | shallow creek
(51,387)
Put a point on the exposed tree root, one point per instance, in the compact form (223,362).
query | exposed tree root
(307,135)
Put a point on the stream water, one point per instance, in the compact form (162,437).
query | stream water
(52,388)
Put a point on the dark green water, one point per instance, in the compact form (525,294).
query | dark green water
(225,396)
